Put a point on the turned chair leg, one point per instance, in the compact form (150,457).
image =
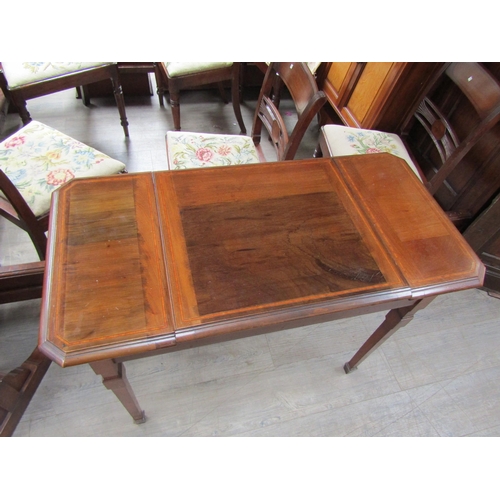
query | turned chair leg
(176,110)
(120,102)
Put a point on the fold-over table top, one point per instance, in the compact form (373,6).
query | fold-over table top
(140,262)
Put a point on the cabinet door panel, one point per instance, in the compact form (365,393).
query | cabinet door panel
(368,91)
(340,82)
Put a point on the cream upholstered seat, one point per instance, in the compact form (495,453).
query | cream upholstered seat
(21,81)
(346,141)
(35,161)
(195,150)
(176,69)
(26,73)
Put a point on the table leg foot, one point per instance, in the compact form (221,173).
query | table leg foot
(348,369)
(114,378)
(140,420)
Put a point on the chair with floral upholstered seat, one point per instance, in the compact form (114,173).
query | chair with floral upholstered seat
(21,81)
(194,150)
(177,76)
(36,160)
(434,137)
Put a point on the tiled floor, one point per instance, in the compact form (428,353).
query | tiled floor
(436,377)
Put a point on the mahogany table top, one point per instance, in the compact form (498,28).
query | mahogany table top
(141,262)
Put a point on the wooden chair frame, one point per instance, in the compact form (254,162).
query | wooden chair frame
(16,210)
(308,100)
(19,95)
(175,85)
(17,283)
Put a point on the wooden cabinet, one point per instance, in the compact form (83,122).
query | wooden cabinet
(375,95)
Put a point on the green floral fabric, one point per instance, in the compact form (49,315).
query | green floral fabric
(38,159)
(192,150)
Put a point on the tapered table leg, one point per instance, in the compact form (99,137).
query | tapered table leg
(114,378)
(394,320)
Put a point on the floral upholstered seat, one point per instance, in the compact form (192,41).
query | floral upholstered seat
(37,159)
(192,150)
(346,141)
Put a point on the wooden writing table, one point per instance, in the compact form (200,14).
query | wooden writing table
(152,262)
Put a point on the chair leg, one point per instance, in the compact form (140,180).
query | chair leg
(222,92)
(17,389)
(236,96)
(159,86)
(176,110)
(22,109)
(120,102)
(160,92)
(85,95)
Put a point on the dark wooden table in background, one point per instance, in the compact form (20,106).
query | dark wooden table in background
(148,263)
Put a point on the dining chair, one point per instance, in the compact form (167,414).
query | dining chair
(21,81)
(193,150)
(431,138)
(177,76)
(36,160)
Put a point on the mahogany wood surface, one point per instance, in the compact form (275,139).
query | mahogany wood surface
(150,262)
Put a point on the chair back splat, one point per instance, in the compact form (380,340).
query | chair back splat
(467,85)
(308,101)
